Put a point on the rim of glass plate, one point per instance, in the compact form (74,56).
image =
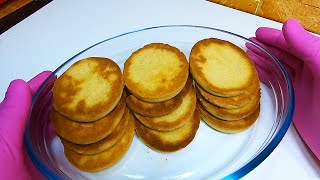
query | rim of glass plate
(235,175)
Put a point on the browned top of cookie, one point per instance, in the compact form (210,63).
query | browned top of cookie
(156,72)
(221,67)
(89,89)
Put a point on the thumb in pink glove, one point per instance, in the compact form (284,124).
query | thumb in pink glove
(14,113)
(299,52)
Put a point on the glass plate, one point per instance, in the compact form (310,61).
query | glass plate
(211,155)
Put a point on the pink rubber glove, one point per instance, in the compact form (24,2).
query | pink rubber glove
(299,51)
(14,113)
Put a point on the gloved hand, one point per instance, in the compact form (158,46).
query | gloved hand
(299,51)
(14,113)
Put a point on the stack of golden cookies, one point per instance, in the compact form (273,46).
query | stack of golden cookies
(90,116)
(227,85)
(162,98)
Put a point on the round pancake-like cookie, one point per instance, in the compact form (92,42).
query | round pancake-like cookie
(169,141)
(229,126)
(155,73)
(176,118)
(105,159)
(103,144)
(221,68)
(158,108)
(230,102)
(230,114)
(88,90)
(87,133)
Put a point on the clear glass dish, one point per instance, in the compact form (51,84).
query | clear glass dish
(211,155)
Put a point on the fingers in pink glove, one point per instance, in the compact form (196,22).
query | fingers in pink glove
(14,111)
(284,57)
(305,47)
(267,65)
(294,39)
(262,72)
(34,85)
(44,98)
(36,82)
(266,62)
(44,95)
(303,44)
(15,108)
(272,37)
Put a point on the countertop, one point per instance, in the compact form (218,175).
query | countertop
(307,12)
(7,7)
(61,29)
